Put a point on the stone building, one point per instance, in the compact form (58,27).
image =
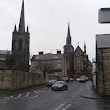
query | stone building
(52,62)
(20,47)
(76,62)
(103,64)
(20,44)
(3,54)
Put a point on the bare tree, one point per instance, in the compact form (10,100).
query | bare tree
(45,67)
(10,60)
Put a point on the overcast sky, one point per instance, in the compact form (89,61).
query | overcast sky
(48,21)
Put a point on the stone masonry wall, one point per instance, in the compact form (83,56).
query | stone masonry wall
(103,74)
(17,79)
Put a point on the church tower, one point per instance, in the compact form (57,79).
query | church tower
(69,54)
(20,44)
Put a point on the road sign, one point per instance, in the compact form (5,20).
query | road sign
(104,15)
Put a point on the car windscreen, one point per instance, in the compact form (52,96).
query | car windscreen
(60,82)
(52,80)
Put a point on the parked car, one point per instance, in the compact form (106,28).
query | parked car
(82,79)
(60,85)
(77,79)
(50,83)
(86,78)
(66,79)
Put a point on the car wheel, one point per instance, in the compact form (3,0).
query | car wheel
(62,88)
(66,88)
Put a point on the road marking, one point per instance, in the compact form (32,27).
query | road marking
(31,97)
(79,91)
(2,102)
(67,107)
(35,92)
(27,94)
(19,95)
(59,107)
(11,96)
(41,91)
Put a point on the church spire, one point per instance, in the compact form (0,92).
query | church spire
(68,34)
(84,47)
(22,19)
(68,39)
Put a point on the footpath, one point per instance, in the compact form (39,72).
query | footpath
(90,93)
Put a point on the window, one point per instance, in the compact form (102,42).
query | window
(20,44)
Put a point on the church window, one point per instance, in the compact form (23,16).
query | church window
(14,44)
(20,44)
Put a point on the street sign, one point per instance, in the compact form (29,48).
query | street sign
(104,15)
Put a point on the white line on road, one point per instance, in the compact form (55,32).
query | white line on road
(32,97)
(35,92)
(27,94)
(19,95)
(41,91)
(11,96)
(67,107)
(2,102)
(59,107)
(79,91)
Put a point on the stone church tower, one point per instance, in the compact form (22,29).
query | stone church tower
(68,55)
(20,44)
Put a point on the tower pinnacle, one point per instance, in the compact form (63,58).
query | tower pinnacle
(68,34)
(22,19)
(84,47)
(68,39)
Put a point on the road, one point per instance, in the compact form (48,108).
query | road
(46,99)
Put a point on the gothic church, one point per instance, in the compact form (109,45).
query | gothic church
(76,61)
(20,44)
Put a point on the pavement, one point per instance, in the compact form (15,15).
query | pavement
(92,94)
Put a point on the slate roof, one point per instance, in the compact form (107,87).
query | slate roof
(47,56)
(103,40)
(78,49)
(4,52)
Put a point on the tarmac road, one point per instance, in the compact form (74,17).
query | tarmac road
(46,99)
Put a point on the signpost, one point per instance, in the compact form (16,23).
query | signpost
(104,15)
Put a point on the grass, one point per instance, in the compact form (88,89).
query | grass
(5,91)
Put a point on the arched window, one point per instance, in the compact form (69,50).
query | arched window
(14,44)
(20,44)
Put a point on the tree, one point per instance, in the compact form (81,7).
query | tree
(10,60)
(45,67)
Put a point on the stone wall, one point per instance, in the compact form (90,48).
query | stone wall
(103,71)
(17,79)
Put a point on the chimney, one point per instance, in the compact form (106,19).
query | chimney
(59,52)
(41,53)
